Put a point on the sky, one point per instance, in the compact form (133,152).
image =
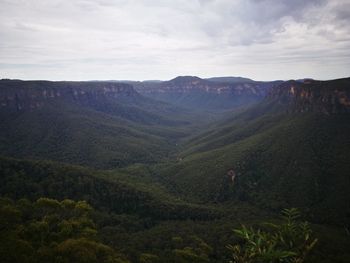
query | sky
(162,39)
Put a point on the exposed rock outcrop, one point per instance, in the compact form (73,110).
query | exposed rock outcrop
(328,97)
(231,175)
(29,95)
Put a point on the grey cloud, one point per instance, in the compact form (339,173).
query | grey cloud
(258,20)
(276,9)
(342,13)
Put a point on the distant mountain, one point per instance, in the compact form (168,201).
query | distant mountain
(230,79)
(290,150)
(202,94)
(152,81)
(304,80)
(99,124)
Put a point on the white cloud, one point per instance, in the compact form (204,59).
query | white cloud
(120,39)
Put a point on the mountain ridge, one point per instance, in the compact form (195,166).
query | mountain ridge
(193,92)
(15,94)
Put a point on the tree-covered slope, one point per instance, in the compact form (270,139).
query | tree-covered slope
(102,125)
(51,231)
(273,156)
(35,179)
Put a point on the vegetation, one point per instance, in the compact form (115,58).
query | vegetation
(147,225)
(98,132)
(290,241)
(51,231)
(273,157)
(35,179)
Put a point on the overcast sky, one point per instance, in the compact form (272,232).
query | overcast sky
(161,39)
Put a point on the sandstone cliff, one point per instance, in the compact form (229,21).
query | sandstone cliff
(329,97)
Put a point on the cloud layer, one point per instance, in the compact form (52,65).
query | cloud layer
(159,39)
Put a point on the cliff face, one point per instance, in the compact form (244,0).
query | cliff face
(29,95)
(329,97)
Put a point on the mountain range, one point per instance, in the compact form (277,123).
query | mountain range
(186,157)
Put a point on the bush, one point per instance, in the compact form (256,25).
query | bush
(289,241)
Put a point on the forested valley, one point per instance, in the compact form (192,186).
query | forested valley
(186,170)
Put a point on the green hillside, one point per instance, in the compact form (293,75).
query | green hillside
(279,160)
(35,179)
(94,129)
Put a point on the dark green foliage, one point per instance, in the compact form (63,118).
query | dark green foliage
(148,258)
(274,157)
(289,241)
(33,179)
(50,231)
(83,136)
(197,251)
(140,231)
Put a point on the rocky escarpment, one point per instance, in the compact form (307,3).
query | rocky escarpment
(328,97)
(29,95)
